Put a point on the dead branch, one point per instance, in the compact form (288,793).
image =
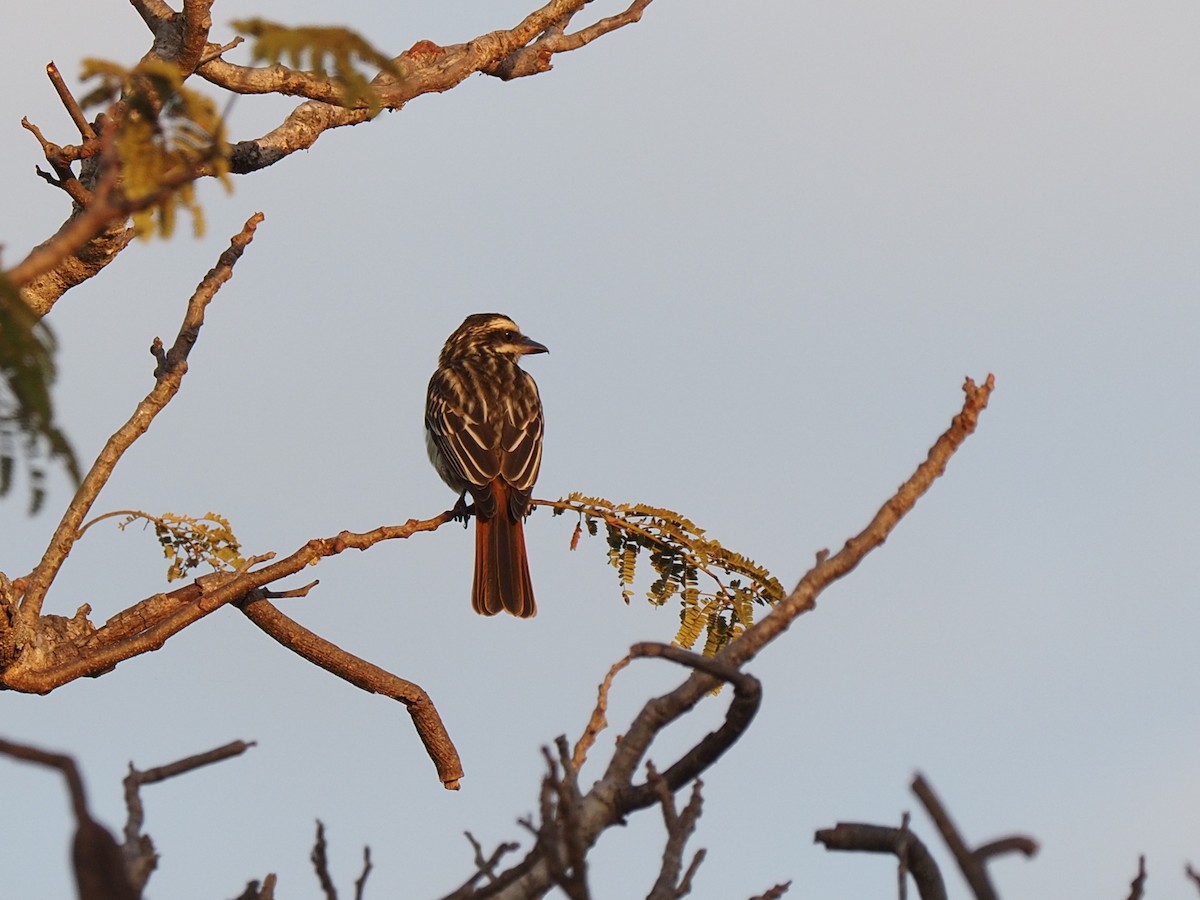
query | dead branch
(484,868)
(255,891)
(1192,873)
(320,861)
(138,850)
(680,827)
(1137,887)
(773,893)
(747,696)
(360,883)
(614,795)
(1017,843)
(99,868)
(900,842)
(559,833)
(365,675)
(72,105)
(972,863)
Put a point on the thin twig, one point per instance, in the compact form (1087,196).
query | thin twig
(68,100)
(360,883)
(680,827)
(598,721)
(320,861)
(140,856)
(773,893)
(1192,873)
(1137,887)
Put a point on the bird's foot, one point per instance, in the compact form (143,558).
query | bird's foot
(463,511)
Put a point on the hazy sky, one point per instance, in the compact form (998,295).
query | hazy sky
(764,245)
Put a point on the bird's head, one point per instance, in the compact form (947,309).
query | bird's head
(489,334)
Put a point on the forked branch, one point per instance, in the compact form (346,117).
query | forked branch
(168,375)
(615,795)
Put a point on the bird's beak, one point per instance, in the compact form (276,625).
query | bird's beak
(528,345)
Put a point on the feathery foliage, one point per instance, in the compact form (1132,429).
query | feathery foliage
(27,427)
(166,134)
(189,541)
(679,553)
(317,49)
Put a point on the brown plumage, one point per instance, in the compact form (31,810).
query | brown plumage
(483,430)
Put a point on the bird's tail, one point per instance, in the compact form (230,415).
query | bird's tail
(502,581)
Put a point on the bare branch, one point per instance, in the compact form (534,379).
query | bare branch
(972,863)
(773,893)
(138,849)
(99,869)
(320,861)
(360,883)
(1192,873)
(613,796)
(747,696)
(598,722)
(1137,887)
(536,57)
(168,377)
(972,869)
(680,827)
(367,676)
(900,842)
(484,868)
(72,105)
(559,834)
(254,891)
(1017,843)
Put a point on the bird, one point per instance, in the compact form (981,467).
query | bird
(483,432)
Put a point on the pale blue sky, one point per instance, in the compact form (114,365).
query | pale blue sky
(764,246)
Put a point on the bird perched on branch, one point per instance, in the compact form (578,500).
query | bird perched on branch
(483,430)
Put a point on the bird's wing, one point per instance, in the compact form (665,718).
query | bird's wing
(521,444)
(459,427)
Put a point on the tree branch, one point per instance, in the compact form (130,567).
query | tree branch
(536,57)
(56,660)
(366,676)
(900,842)
(680,827)
(614,795)
(1137,887)
(426,67)
(138,849)
(1192,874)
(172,365)
(972,863)
(96,232)
(99,868)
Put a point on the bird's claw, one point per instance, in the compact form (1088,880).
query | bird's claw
(462,511)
